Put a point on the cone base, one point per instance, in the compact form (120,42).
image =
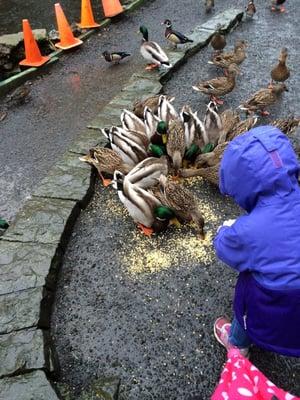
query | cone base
(70,46)
(88,26)
(28,63)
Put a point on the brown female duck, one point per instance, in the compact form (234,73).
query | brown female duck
(182,202)
(106,160)
(237,56)
(242,127)
(280,73)
(209,5)
(286,125)
(151,102)
(218,41)
(219,86)
(264,98)
(229,119)
(176,144)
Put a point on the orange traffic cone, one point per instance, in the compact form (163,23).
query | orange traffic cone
(33,57)
(67,39)
(112,8)
(87,17)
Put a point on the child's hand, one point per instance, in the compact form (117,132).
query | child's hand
(229,222)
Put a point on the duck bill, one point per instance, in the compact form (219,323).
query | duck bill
(174,221)
(164,138)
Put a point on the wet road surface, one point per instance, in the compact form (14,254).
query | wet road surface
(143,309)
(40,13)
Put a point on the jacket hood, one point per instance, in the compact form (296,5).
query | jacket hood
(260,163)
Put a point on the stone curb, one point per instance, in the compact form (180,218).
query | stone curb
(20,78)
(27,387)
(32,248)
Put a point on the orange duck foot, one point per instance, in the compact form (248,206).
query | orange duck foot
(145,230)
(217,100)
(176,178)
(150,67)
(264,113)
(105,182)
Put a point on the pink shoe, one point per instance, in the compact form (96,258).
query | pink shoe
(221,332)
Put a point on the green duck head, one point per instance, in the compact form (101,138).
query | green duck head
(191,153)
(207,148)
(157,150)
(144,32)
(3,224)
(163,215)
(162,129)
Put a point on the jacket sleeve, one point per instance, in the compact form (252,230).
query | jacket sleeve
(231,249)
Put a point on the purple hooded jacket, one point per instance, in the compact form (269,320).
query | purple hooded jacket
(259,170)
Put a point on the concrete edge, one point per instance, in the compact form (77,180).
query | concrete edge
(141,84)
(14,81)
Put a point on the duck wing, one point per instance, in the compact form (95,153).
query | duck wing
(157,53)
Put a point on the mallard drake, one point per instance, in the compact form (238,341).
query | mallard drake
(127,144)
(152,52)
(166,111)
(280,73)
(250,9)
(237,56)
(173,36)
(206,160)
(151,102)
(182,202)
(106,160)
(219,86)
(208,168)
(144,208)
(160,135)
(151,121)
(176,144)
(277,5)
(157,147)
(286,125)
(218,41)
(194,129)
(242,127)
(132,123)
(264,98)
(146,173)
(213,123)
(114,57)
(136,137)
(194,134)
(209,5)
(229,119)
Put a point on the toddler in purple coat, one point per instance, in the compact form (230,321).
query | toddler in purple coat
(259,170)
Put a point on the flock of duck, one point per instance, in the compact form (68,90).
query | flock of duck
(156,146)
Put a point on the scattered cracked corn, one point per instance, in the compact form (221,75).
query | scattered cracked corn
(113,206)
(154,255)
(146,259)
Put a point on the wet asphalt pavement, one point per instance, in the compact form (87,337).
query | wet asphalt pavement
(35,135)
(143,309)
(40,13)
